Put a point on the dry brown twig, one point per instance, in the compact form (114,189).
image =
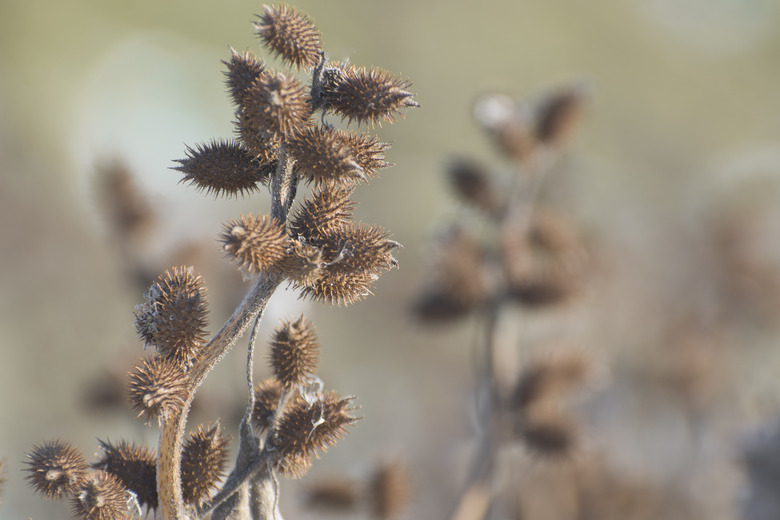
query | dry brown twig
(318,249)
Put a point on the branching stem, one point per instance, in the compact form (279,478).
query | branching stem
(171,442)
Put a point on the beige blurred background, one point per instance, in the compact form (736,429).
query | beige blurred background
(684,113)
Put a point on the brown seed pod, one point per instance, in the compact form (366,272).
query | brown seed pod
(101,496)
(549,436)
(276,106)
(334,494)
(303,263)
(542,262)
(136,468)
(243,70)
(507,124)
(324,154)
(458,282)
(223,168)
(174,318)
(267,396)
(158,389)
(290,34)
(323,211)
(546,379)
(559,115)
(306,428)
(369,152)
(390,489)
(264,148)
(366,95)
(55,468)
(294,352)
(203,462)
(358,248)
(337,288)
(256,244)
(474,184)
(130,214)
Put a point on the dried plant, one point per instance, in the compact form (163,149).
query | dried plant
(384,494)
(522,255)
(319,250)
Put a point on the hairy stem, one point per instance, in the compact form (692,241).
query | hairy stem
(171,442)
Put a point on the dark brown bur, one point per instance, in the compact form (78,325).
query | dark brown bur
(290,34)
(224,168)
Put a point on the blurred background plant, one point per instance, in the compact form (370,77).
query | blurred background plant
(674,178)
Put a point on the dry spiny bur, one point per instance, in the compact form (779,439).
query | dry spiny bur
(158,389)
(203,463)
(175,316)
(268,393)
(223,168)
(56,468)
(257,244)
(135,466)
(282,139)
(307,428)
(101,496)
(294,352)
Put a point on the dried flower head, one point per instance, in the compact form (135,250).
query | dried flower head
(559,114)
(307,427)
(129,212)
(158,388)
(324,154)
(390,489)
(135,466)
(325,210)
(203,463)
(549,436)
(243,70)
(366,95)
(335,494)
(458,282)
(290,34)
(369,152)
(474,185)
(338,288)
(267,395)
(174,318)
(256,244)
(294,352)
(356,248)
(56,468)
(223,168)
(542,261)
(508,125)
(276,106)
(303,264)
(547,379)
(264,148)
(101,496)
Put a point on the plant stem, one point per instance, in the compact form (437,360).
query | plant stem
(171,442)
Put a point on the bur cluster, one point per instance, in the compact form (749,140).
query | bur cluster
(291,132)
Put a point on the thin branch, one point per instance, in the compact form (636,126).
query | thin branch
(283,184)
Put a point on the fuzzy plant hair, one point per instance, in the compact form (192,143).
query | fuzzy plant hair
(283,138)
